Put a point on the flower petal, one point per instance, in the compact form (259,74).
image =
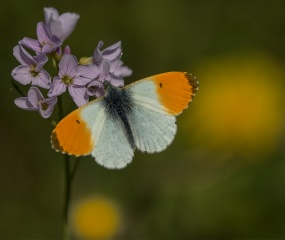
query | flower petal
(50,102)
(43,34)
(68,66)
(118,69)
(116,81)
(34,96)
(95,83)
(97,55)
(23,56)
(50,12)
(22,74)
(52,46)
(124,71)
(88,71)
(24,103)
(57,87)
(96,89)
(81,81)
(78,94)
(104,69)
(56,41)
(66,50)
(31,44)
(60,26)
(40,60)
(68,23)
(55,27)
(42,79)
(113,52)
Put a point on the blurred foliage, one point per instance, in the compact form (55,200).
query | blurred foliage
(223,175)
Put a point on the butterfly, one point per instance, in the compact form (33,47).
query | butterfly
(141,115)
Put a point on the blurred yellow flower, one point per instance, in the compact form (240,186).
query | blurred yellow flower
(95,218)
(239,107)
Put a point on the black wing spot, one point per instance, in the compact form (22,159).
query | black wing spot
(160,84)
(77,121)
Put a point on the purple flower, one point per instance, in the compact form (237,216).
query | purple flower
(60,26)
(46,42)
(60,52)
(66,50)
(111,56)
(31,68)
(111,53)
(119,70)
(110,68)
(36,102)
(74,77)
(95,88)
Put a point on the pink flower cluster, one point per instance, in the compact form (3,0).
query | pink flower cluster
(81,80)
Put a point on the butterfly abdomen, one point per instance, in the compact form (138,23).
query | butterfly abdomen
(118,105)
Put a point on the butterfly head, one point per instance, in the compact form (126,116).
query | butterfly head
(106,84)
(109,88)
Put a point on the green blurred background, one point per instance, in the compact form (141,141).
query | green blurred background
(222,177)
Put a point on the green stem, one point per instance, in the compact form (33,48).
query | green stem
(67,195)
(67,182)
(75,166)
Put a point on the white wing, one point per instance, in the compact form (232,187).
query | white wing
(153,127)
(153,131)
(94,115)
(112,149)
(144,93)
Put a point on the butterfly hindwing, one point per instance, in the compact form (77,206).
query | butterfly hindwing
(153,131)
(113,149)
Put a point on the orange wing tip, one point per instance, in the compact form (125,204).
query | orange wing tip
(176,90)
(55,143)
(58,148)
(72,135)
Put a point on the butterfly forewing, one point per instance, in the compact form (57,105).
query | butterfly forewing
(78,133)
(167,92)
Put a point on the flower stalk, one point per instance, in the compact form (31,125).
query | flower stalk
(67,194)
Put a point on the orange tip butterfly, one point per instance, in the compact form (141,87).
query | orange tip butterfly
(139,116)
